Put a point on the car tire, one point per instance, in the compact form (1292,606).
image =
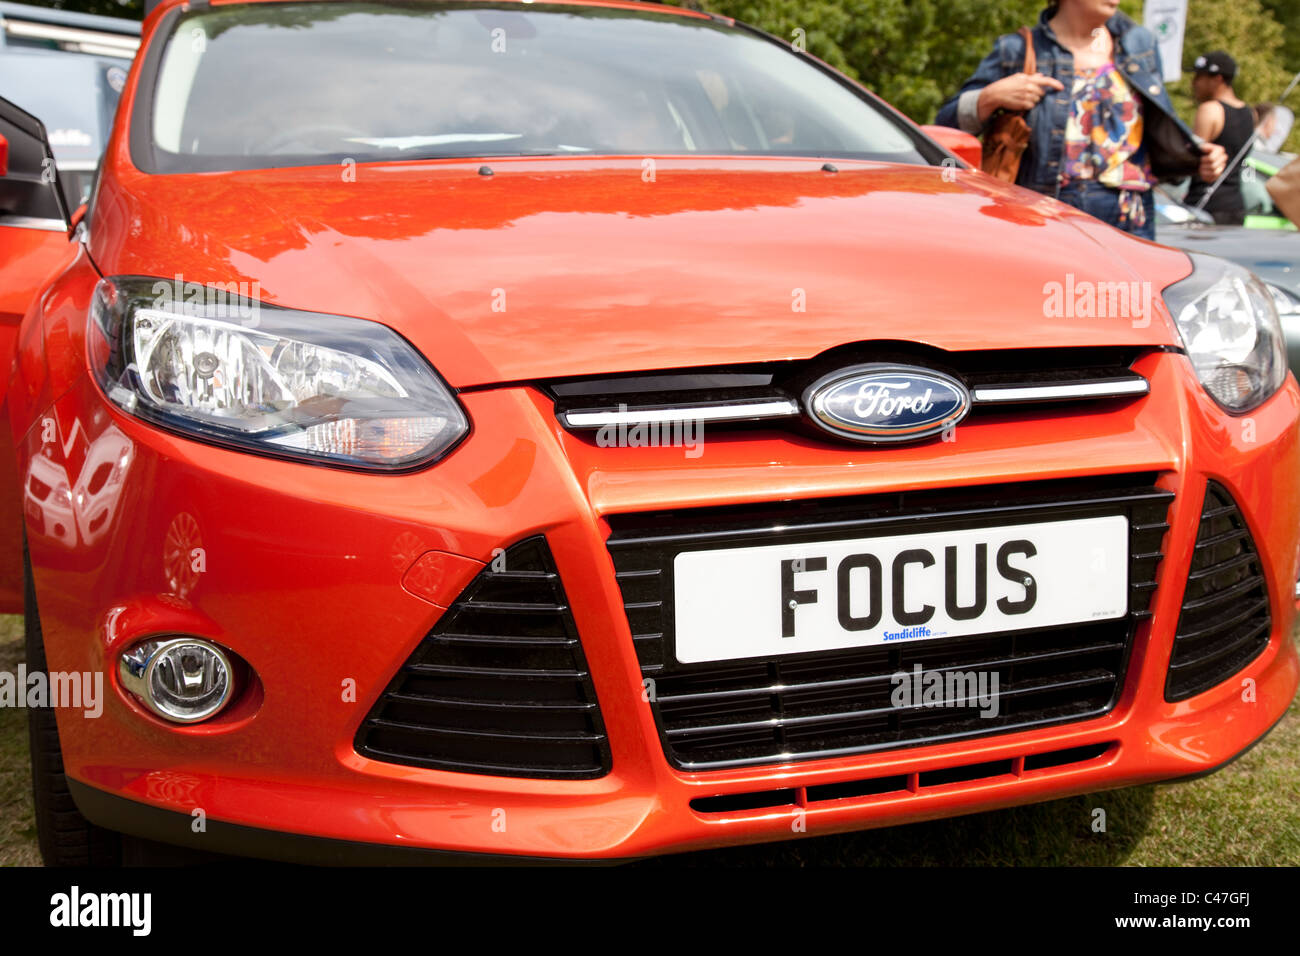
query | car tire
(66,837)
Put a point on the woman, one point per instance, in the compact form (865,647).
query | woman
(1103,130)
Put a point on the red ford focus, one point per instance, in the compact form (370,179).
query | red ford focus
(593,430)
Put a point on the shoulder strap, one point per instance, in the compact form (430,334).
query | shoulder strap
(1031,60)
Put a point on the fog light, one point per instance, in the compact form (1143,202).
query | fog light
(181,679)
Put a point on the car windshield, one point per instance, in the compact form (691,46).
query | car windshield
(278,84)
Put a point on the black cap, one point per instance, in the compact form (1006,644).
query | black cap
(1217,63)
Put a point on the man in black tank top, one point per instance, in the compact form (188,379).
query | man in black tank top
(1224,119)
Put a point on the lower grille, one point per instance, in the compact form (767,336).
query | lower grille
(499,686)
(825,704)
(1013,769)
(1225,622)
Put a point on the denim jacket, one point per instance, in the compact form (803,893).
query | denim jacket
(1172,148)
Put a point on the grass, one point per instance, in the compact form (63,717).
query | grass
(1246,815)
(17,826)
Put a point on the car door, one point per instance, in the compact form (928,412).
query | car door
(34,244)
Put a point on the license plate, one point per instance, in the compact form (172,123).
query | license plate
(736,603)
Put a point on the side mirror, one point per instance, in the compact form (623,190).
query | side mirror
(1284,188)
(962,145)
(78,215)
(32,187)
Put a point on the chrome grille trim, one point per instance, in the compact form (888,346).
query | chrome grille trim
(771,393)
(589,418)
(1072,391)
(777,407)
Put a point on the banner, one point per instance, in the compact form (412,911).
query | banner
(1167,19)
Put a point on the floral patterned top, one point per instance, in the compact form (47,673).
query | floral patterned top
(1103,136)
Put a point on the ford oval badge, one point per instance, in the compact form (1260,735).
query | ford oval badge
(886,403)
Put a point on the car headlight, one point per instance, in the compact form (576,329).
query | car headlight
(1230,330)
(302,385)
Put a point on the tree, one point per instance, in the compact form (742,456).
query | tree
(1249,32)
(914,53)
(1287,13)
(917,53)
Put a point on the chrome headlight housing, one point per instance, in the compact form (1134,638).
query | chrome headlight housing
(1230,330)
(1286,302)
(302,385)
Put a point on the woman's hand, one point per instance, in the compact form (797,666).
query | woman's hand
(1019,92)
(1214,160)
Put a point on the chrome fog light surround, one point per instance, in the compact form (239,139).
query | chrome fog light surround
(183,680)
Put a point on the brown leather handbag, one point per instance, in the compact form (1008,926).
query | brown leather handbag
(1008,133)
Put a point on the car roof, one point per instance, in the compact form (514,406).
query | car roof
(657,5)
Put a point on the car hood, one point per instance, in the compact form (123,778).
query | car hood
(546,268)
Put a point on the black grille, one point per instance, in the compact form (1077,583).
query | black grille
(1225,622)
(499,686)
(834,703)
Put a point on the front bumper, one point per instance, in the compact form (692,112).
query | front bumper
(154,823)
(301,571)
